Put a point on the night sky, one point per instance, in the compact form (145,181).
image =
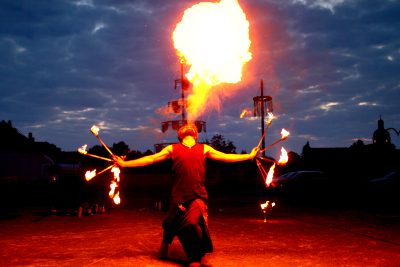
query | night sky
(331,66)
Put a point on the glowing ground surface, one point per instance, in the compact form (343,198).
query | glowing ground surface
(131,237)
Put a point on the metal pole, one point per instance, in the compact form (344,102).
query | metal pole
(262,118)
(182,94)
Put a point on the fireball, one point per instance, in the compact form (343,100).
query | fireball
(213,39)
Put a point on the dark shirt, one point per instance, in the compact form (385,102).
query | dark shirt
(189,168)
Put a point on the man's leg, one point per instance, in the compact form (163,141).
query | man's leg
(170,226)
(191,234)
(163,252)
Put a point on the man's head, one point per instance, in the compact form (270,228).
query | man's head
(188,129)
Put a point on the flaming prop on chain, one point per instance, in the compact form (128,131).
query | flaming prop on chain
(89,175)
(213,39)
(283,159)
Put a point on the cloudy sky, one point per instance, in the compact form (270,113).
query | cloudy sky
(331,66)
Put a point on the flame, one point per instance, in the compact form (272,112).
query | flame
(95,130)
(284,158)
(116,171)
(89,175)
(270,118)
(264,205)
(244,113)
(284,134)
(270,175)
(114,186)
(213,39)
(82,149)
(117,199)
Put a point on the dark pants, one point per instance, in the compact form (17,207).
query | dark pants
(190,224)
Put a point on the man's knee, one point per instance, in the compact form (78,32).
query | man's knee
(192,221)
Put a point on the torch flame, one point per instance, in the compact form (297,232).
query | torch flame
(284,158)
(116,171)
(114,191)
(95,130)
(270,118)
(244,113)
(213,38)
(113,186)
(89,175)
(270,175)
(117,199)
(264,205)
(82,149)
(284,134)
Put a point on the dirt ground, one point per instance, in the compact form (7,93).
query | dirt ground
(130,235)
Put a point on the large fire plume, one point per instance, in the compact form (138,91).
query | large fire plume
(213,39)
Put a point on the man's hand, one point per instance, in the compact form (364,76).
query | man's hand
(118,160)
(254,152)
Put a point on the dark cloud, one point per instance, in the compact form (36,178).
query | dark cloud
(332,68)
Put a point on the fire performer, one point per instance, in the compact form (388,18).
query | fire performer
(188,211)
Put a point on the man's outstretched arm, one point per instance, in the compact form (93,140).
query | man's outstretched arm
(211,153)
(146,160)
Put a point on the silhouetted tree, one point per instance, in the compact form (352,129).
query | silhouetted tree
(148,152)
(98,150)
(133,154)
(120,148)
(219,142)
(357,144)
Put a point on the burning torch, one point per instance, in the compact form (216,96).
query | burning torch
(95,131)
(284,135)
(89,175)
(265,206)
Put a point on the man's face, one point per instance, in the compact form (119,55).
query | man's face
(186,130)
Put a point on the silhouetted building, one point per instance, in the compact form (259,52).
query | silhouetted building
(358,162)
(381,136)
(21,158)
(327,159)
